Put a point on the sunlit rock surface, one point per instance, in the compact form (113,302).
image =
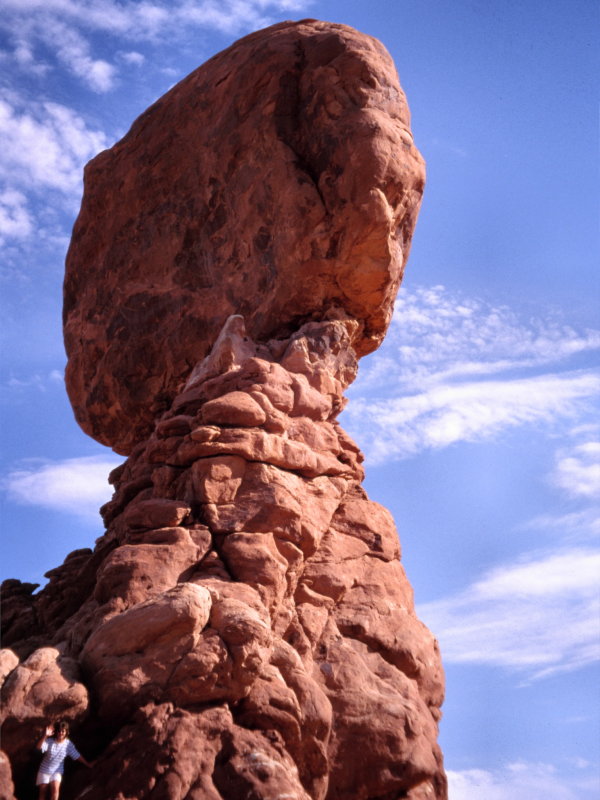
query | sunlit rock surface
(244,628)
(277,181)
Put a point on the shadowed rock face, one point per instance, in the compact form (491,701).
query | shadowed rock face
(244,629)
(277,181)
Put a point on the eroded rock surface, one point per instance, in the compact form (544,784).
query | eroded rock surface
(250,603)
(277,181)
(244,629)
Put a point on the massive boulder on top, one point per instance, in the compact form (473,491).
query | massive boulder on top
(278,181)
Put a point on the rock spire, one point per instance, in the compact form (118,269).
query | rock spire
(244,629)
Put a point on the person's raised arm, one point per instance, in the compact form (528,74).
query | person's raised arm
(48,732)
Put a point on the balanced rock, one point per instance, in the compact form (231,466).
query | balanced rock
(278,181)
(244,628)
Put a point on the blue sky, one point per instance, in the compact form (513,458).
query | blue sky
(478,416)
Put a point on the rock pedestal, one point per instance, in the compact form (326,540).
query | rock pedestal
(244,629)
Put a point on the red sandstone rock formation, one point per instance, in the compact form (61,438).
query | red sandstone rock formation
(277,181)
(244,629)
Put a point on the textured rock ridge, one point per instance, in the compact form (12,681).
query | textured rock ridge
(249,625)
(244,629)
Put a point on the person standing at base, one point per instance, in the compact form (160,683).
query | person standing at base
(56,746)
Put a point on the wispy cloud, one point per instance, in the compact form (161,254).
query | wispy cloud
(576,475)
(438,335)
(399,427)
(573,526)
(132,57)
(15,219)
(75,53)
(448,147)
(44,145)
(76,486)
(577,471)
(458,369)
(44,148)
(539,615)
(25,59)
(521,781)
(66,27)
(35,380)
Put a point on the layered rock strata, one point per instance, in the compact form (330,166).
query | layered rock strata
(244,629)
(250,629)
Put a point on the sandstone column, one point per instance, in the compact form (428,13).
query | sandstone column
(244,628)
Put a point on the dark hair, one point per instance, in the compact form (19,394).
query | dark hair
(62,725)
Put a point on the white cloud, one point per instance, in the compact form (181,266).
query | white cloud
(519,781)
(573,526)
(577,472)
(63,25)
(15,219)
(44,146)
(449,147)
(75,485)
(458,369)
(437,335)
(539,616)
(35,380)
(25,57)
(133,57)
(97,73)
(579,763)
(23,53)
(399,427)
